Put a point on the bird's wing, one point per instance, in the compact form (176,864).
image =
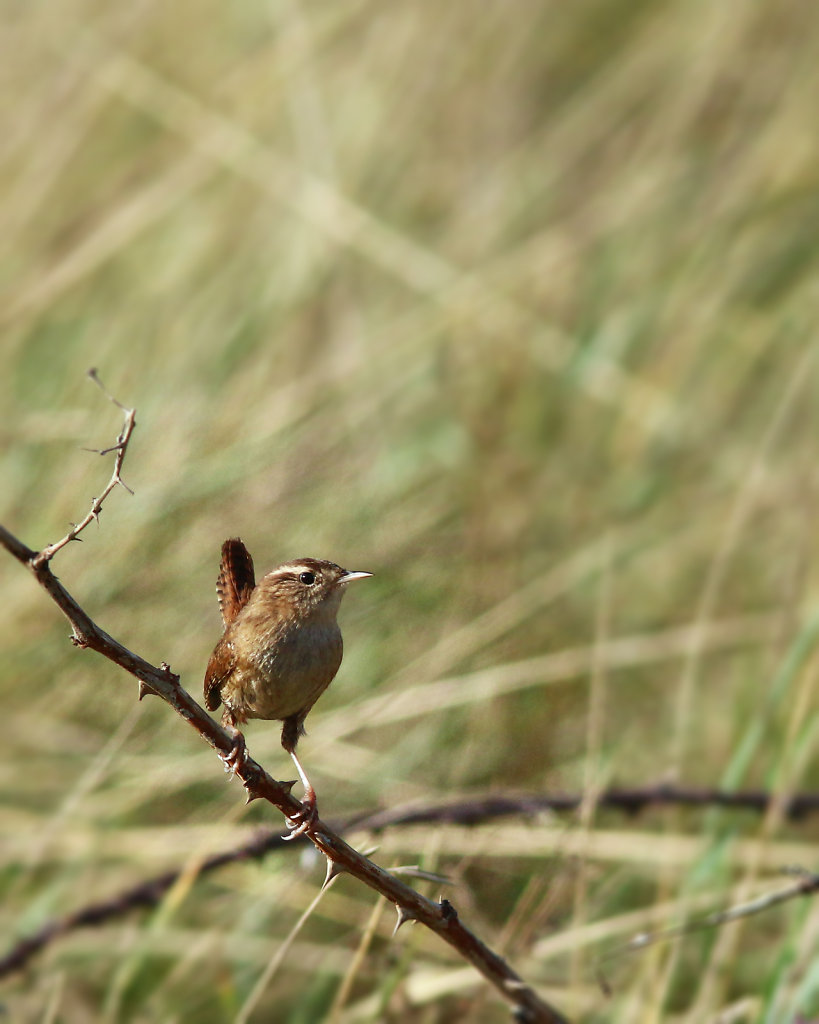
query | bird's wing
(219,669)
(236,579)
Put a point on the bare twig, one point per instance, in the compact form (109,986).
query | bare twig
(120,447)
(629,799)
(441,917)
(807,885)
(150,892)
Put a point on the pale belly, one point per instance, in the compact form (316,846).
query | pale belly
(289,679)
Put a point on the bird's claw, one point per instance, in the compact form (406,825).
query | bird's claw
(236,757)
(303,821)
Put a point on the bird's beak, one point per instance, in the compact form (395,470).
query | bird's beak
(348,577)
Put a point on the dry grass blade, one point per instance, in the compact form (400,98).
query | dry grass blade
(267,975)
(610,655)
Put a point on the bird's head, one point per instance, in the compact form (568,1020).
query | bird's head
(308,587)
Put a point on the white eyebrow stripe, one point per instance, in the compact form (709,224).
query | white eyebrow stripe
(319,568)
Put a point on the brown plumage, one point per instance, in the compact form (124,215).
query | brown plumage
(236,580)
(280,650)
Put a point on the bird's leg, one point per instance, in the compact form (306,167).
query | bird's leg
(306,818)
(237,755)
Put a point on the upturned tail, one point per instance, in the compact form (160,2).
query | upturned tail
(236,579)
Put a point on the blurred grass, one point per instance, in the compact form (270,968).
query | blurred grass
(515,309)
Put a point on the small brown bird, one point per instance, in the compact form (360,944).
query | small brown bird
(279,652)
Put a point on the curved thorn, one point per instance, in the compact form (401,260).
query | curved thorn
(404,915)
(334,869)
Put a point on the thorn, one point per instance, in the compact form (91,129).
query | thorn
(404,915)
(172,676)
(250,779)
(334,869)
(145,690)
(514,985)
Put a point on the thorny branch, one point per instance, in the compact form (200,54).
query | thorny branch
(628,799)
(441,917)
(474,811)
(120,447)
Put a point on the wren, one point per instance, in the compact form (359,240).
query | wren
(280,650)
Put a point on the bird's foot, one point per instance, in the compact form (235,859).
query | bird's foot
(303,821)
(236,757)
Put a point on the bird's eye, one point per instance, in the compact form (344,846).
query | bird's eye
(307,578)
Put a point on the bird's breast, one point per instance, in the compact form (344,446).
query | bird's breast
(292,672)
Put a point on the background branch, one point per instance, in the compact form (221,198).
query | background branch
(807,884)
(463,812)
(472,811)
(629,799)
